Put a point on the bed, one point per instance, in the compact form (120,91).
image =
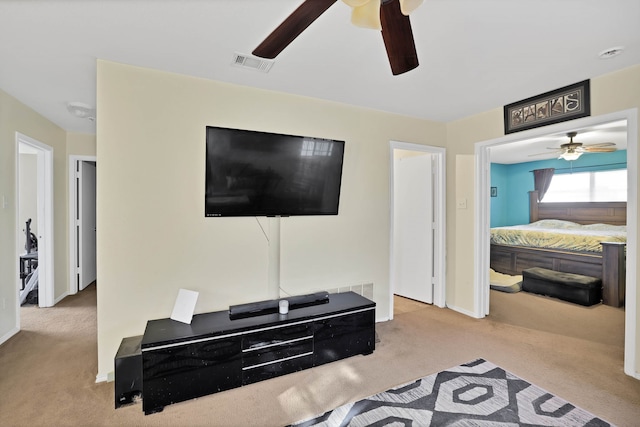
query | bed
(587,238)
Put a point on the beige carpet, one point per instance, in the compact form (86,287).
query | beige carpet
(47,371)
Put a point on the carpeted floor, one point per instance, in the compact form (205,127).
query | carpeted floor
(47,371)
(477,393)
(599,323)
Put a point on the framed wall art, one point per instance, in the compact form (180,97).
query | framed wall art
(567,103)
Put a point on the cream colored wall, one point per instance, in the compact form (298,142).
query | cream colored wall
(28,194)
(458,297)
(461,137)
(16,117)
(404,154)
(609,93)
(81,144)
(615,92)
(153,238)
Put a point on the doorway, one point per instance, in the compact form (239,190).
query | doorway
(482,215)
(82,222)
(38,186)
(417,176)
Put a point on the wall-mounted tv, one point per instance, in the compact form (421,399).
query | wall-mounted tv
(250,173)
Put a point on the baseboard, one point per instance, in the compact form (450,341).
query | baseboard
(8,335)
(463,311)
(104,378)
(60,298)
(633,374)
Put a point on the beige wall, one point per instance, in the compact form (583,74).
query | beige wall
(610,93)
(615,92)
(16,117)
(81,144)
(28,195)
(459,296)
(153,238)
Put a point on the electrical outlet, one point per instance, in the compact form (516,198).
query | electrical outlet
(462,203)
(4,303)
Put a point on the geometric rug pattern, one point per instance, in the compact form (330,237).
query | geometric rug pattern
(478,394)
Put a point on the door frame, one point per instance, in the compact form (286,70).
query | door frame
(45,216)
(73,207)
(439,218)
(482,218)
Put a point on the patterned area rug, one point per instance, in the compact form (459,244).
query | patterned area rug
(477,393)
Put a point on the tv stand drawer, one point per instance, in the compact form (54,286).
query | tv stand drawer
(277,368)
(271,353)
(275,336)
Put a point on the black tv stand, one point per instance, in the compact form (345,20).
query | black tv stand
(271,306)
(215,353)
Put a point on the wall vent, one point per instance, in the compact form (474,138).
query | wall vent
(248,61)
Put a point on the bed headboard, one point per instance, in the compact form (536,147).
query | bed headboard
(581,212)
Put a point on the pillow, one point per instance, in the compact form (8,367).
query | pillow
(605,227)
(555,223)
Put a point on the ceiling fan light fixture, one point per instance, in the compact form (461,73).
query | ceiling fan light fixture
(570,155)
(396,34)
(611,52)
(367,15)
(81,110)
(355,3)
(408,6)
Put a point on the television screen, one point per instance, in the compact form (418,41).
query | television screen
(251,173)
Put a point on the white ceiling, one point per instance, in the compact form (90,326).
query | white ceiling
(475,55)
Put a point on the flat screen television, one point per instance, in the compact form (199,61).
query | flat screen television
(250,173)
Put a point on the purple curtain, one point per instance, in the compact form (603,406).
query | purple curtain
(542,180)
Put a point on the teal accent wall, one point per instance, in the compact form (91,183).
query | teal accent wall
(514,181)
(499,179)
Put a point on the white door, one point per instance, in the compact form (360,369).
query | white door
(413,227)
(87,223)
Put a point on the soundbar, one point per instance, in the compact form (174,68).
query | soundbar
(260,308)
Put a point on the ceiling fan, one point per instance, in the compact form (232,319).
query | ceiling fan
(391,17)
(573,150)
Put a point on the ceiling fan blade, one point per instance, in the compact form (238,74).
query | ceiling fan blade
(398,38)
(602,144)
(292,27)
(599,149)
(547,153)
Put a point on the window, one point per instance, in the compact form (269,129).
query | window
(601,186)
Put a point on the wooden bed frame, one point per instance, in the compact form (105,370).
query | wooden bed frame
(610,265)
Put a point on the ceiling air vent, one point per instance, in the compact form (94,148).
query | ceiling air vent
(248,61)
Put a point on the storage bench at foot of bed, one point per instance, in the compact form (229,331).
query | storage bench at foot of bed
(576,288)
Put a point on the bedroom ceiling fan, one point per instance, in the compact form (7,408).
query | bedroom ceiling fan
(391,17)
(573,150)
